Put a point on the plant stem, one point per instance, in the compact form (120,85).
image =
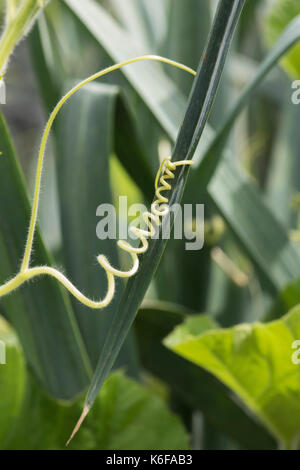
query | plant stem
(15,29)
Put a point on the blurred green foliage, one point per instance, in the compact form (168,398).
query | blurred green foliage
(279,15)
(234,372)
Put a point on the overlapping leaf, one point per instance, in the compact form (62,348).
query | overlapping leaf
(195,386)
(126,415)
(42,306)
(257,361)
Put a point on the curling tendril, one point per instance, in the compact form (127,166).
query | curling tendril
(159,209)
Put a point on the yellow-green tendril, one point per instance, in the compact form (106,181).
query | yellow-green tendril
(159,208)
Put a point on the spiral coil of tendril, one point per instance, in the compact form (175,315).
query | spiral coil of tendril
(159,209)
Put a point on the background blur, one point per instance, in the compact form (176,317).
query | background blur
(106,143)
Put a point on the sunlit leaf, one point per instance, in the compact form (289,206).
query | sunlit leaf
(126,415)
(256,362)
(279,14)
(196,387)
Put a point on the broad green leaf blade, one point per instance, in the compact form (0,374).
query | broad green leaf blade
(12,382)
(58,356)
(147,26)
(44,62)
(188,29)
(264,239)
(287,39)
(283,183)
(279,14)
(209,159)
(197,388)
(85,136)
(287,298)
(134,418)
(104,130)
(126,416)
(137,286)
(256,362)
(128,150)
(84,144)
(205,170)
(183,276)
(114,45)
(210,156)
(146,22)
(159,93)
(247,18)
(208,77)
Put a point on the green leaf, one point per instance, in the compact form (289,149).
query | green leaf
(180,46)
(58,356)
(279,14)
(196,388)
(258,247)
(208,77)
(283,183)
(146,23)
(84,147)
(134,418)
(155,88)
(187,34)
(128,151)
(147,26)
(255,361)
(12,382)
(209,155)
(183,276)
(126,415)
(250,219)
(247,19)
(199,106)
(44,63)
(287,298)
